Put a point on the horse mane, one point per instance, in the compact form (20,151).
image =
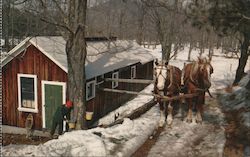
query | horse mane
(195,66)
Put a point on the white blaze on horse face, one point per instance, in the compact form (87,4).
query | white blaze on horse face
(161,74)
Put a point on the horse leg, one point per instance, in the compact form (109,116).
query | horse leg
(190,110)
(162,112)
(170,115)
(199,106)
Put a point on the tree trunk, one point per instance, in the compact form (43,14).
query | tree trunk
(242,60)
(76,54)
(7,34)
(166,44)
(166,50)
(176,50)
(190,51)
(210,51)
(141,27)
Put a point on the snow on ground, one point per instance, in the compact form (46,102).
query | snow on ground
(119,140)
(196,140)
(236,103)
(193,140)
(238,99)
(182,139)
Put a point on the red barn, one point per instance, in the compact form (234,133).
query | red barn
(34,76)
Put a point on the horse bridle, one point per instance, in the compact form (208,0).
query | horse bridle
(165,78)
(198,88)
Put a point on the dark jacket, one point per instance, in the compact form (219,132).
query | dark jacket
(61,112)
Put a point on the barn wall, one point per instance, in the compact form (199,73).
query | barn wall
(34,62)
(30,62)
(105,102)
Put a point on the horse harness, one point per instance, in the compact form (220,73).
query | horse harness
(196,83)
(168,78)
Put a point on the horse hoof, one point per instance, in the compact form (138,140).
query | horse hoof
(161,124)
(189,120)
(198,121)
(169,120)
(169,123)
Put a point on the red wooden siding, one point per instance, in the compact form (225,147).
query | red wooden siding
(30,62)
(105,102)
(36,63)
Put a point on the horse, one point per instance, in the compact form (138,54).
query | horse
(167,83)
(197,79)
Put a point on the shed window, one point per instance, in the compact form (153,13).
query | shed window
(100,79)
(133,72)
(90,90)
(115,76)
(27,93)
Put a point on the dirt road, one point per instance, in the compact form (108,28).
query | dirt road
(189,140)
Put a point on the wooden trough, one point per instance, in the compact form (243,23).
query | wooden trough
(141,110)
(163,98)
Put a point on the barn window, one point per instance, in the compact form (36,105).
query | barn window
(90,90)
(133,72)
(100,79)
(115,75)
(27,93)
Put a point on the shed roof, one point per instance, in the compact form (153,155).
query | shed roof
(102,56)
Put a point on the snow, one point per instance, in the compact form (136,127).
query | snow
(120,140)
(124,139)
(238,99)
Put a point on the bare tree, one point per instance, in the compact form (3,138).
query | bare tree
(71,24)
(164,15)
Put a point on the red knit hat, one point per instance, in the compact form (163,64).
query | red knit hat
(69,104)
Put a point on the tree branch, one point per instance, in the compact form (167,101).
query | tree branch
(60,9)
(18,3)
(57,24)
(245,17)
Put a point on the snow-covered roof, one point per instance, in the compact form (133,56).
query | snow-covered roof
(102,56)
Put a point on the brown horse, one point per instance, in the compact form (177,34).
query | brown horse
(197,79)
(167,83)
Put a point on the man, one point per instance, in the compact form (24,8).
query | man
(62,113)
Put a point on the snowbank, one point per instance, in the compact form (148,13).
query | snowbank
(238,100)
(120,140)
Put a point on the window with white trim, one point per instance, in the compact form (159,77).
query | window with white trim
(100,79)
(27,93)
(90,90)
(115,75)
(133,72)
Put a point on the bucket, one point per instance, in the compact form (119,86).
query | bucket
(89,115)
(71,125)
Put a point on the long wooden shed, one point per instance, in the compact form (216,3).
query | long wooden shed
(34,76)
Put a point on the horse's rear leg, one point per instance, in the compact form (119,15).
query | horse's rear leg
(162,112)
(170,115)
(190,110)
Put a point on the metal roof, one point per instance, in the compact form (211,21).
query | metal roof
(102,56)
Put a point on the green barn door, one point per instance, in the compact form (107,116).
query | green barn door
(53,98)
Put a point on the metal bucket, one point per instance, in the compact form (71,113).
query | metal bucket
(71,125)
(89,115)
